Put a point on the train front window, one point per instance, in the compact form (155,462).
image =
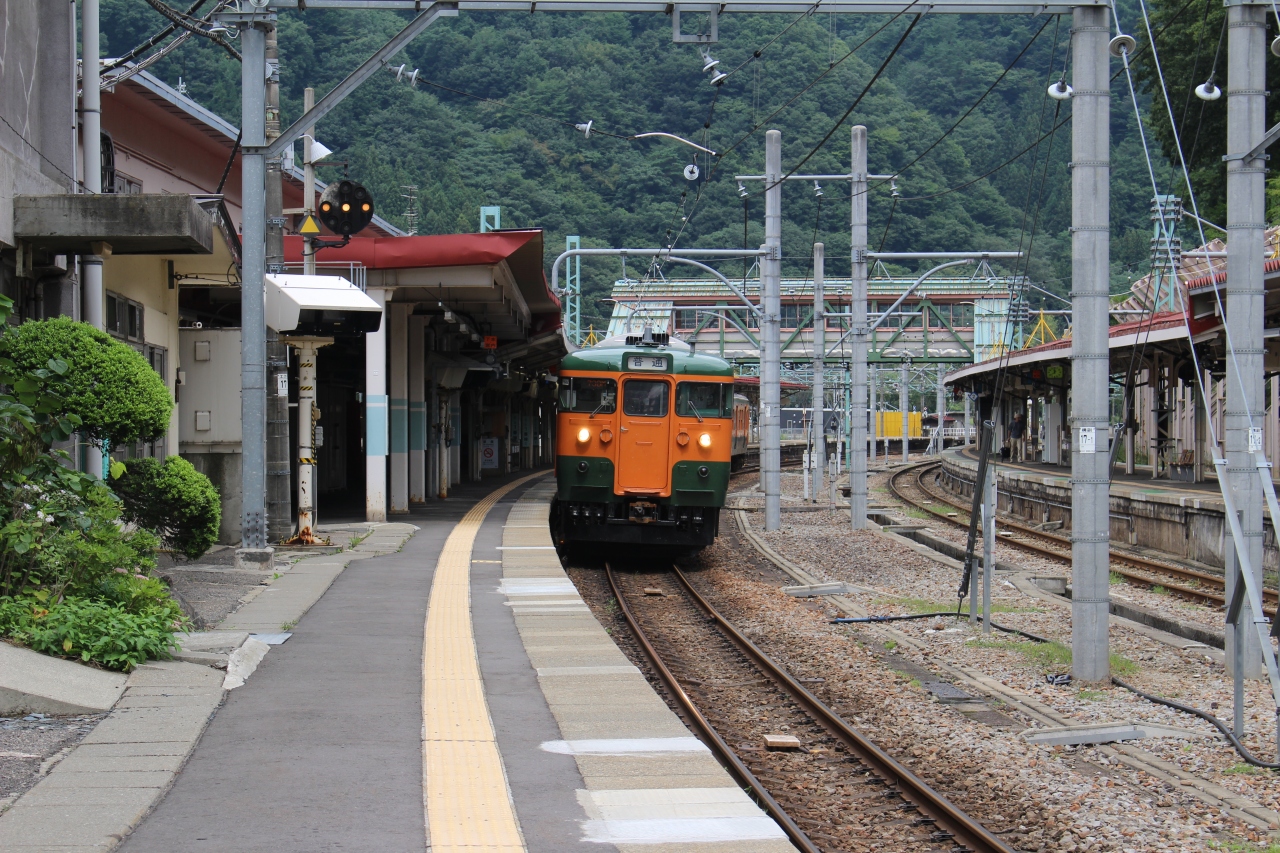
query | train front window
(582,394)
(704,400)
(644,398)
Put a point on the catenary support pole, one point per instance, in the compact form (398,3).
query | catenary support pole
(1246,221)
(873,407)
(253,347)
(942,406)
(858,307)
(375,414)
(968,417)
(309,184)
(771,334)
(1090,254)
(819,365)
(988,546)
(904,403)
(91,142)
(279,471)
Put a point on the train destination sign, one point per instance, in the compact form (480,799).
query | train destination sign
(646,362)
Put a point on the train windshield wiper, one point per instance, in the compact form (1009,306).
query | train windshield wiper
(695,412)
(604,401)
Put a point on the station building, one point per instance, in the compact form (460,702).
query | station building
(474,310)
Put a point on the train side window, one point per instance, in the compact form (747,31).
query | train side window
(644,398)
(704,399)
(584,394)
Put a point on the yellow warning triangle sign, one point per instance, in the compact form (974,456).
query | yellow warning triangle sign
(309,226)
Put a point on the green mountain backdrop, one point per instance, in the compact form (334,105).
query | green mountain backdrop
(623,73)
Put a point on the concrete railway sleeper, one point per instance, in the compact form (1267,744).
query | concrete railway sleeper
(731,691)
(1177,579)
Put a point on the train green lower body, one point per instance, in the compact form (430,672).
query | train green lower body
(586,510)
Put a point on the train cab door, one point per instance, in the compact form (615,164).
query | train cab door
(644,466)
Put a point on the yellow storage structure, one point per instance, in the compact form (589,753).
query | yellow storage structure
(889,424)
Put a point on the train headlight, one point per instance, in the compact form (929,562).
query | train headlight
(704,440)
(682,439)
(584,435)
(606,436)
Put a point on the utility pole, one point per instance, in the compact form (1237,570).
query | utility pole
(858,322)
(771,334)
(904,400)
(1090,273)
(91,140)
(254,550)
(819,365)
(1246,183)
(989,505)
(873,408)
(279,472)
(309,185)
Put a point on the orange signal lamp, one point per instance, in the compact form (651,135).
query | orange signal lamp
(345,207)
(606,436)
(365,207)
(682,439)
(584,435)
(325,207)
(704,440)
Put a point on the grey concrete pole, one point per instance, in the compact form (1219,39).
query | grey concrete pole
(1246,218)
(253,349)
(819,365)
(968,416)
(904,401)
(1090,273)
(375,412)
(988,546)
(942,404)
(309,183)
(397,316)
(91,141)
(873,408)
(771,334)
(858,307)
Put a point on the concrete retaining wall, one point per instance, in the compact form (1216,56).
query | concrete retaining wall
(1185,524)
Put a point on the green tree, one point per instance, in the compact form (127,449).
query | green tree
(174,500)
(113,390)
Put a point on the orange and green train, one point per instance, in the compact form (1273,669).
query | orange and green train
(647,433)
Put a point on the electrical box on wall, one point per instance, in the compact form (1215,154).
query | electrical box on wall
(209,415)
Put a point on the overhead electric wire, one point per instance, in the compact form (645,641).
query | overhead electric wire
(178,18)
(153,41)
(1009,67)
(874,78)
(756,54)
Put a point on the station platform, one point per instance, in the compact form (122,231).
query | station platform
(1185,520)
(456,696)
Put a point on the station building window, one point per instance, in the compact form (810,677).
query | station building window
(686,319)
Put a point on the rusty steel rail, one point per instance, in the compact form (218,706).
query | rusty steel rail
(710,737)
(963,829)
(1180,574)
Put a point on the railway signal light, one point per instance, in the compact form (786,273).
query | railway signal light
(346,208)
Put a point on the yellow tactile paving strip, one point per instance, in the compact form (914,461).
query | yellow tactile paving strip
(467,800)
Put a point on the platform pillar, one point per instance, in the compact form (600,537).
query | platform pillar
(819,365)
(375,415)
(1090,274)
(417,412)
(904,403)
(1246,221)
(398,344)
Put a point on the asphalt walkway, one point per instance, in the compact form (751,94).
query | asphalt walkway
(322,749)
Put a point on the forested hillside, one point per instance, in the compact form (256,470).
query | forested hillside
(623,73)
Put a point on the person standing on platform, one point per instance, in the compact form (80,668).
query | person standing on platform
(1017,435)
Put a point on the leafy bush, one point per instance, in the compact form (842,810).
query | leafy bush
(67,541)
(95,631)
(113,389)
(173,499)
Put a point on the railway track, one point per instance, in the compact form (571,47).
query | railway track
(837,791)
(1190,583)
